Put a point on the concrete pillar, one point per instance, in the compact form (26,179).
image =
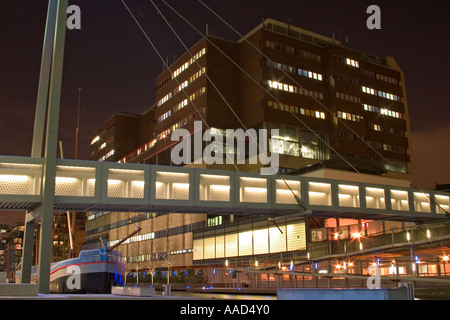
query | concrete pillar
(28,245)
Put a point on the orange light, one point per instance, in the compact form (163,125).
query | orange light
(445,258)
(356,235)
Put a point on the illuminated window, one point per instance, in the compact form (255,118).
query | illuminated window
(294,89)
(349,116)
(95,140)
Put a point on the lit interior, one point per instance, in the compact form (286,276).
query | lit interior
(285,191)
(214,187)
(319,194)
(348,196)
(399,200)
(375,198)
(172,185)
(253,190)
(126,183)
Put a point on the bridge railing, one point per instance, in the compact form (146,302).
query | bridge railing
(125,186)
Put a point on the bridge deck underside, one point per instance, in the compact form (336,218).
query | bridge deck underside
(122,187)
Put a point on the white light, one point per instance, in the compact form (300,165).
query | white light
(217,187)
(253,179)
(13,178)
(95,140)
(138,183)
(315,193)
(181,185)
(172,173)
(256,190)
(287,191)
(319,184)
(66,180)
(344,195)
(428,234)
(213,176)
(352,188)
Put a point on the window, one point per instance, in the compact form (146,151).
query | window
(286,142)
(294,89)
(347,97)
(291,50)
(350,117)
(214,221)
(397,166)
(381,94)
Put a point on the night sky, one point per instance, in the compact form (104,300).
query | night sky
(116,66)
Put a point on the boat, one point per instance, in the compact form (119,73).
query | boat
(98,270)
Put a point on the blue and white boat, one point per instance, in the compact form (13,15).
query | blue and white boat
(99,270)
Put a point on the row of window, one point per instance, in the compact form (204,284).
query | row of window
(387,147)
(292,50)
(390,130)
(186,65)
(298,71)
(137,152)
(194,115)
(350,116)
(295,109)
(106,156)
(294,89)
(345,78)
(351,136)
(181,104)
(163,135)
(156,256)
(378,76)
(347,97)
(387,79)
(348,135)
(295,142)
(163,233)
(383,111)
(182,86)
(379,93)
(347,61)
(170,95)
(188,119)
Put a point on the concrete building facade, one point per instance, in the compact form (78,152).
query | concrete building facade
(327,100)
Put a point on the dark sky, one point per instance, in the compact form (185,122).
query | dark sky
(116,66)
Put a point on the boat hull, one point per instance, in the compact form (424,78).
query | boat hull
(94,271)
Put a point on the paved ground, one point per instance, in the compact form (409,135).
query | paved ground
(94,297)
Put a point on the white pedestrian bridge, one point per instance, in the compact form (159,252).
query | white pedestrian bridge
(107,186)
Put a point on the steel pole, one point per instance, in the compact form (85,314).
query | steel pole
(51,148)
(38,133)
